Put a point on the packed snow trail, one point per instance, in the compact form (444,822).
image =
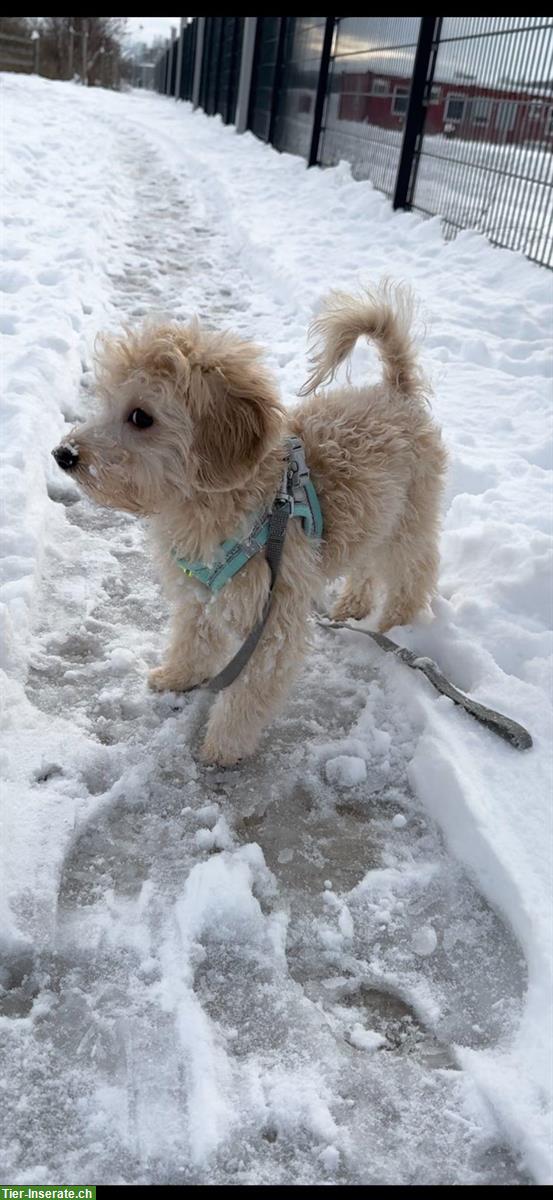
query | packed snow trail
(261,975)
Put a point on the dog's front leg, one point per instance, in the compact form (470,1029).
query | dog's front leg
(197,648)
(240,713)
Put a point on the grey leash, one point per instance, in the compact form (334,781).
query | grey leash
(508,729)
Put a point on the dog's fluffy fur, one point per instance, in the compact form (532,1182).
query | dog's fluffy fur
(214,456)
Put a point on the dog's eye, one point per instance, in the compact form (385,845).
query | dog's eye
(141,419)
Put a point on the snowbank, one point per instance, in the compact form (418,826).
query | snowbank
(55,227)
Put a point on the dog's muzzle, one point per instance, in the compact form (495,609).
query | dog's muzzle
(66,457)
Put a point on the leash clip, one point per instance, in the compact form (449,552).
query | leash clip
(297,470)
(285,500)
(294,476)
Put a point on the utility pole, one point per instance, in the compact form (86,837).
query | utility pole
(35,37)
(85,53)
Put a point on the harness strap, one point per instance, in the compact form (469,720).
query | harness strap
(233,554)
(278,522)
(296,496)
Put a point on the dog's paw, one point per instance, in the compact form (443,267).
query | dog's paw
(341,611)
(213,754)
(352,606)
(163,679)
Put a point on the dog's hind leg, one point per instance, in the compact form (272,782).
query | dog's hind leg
(356,599)
(409,561)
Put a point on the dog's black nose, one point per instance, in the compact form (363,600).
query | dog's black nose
(66,457)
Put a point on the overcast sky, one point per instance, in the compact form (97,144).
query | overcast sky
(152,27)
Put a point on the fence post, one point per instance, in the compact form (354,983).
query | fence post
(321,92)
(180,50)
(172,63)
(187,60)
(207,62)
(84,52)
(423,70)
(198,61)
(218,65)
(246,68)
(234,52)
(277,79)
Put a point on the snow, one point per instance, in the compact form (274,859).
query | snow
(424,940)
(366,1039)
(346,770)
(332,964)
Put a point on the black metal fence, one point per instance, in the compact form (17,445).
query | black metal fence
(188,57)
(302,43)
(266,71)
(221,66)
(452,116)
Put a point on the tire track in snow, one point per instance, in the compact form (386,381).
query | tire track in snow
(255,976)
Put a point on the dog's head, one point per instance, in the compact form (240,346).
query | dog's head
(181,410)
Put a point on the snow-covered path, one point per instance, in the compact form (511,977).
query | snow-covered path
(257,975)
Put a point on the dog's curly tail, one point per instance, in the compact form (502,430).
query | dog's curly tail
(384,315)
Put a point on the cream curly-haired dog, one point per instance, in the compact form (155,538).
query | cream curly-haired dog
(191,434)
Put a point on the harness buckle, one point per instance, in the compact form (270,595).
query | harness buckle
(285,500)
(297,471)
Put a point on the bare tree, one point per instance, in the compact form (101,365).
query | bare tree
(16,26)
(90,47)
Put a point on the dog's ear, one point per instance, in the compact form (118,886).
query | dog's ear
(238,417)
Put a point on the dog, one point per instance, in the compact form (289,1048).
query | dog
(190,434)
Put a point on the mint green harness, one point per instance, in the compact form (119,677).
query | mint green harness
(234,553)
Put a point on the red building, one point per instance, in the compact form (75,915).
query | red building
(455,109)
